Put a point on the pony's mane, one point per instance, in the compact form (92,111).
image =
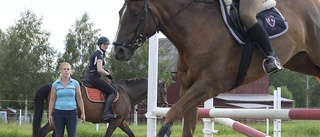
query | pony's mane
(134,79)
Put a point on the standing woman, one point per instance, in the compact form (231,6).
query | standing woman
(95,72)
(64,97)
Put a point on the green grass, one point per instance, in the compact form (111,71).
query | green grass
(289,129)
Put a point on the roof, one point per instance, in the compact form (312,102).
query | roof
(171,53)
(250,105)
(249,97)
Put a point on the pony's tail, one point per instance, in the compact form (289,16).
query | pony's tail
(318,79)
(39,98)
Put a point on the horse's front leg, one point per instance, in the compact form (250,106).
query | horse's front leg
(186,106)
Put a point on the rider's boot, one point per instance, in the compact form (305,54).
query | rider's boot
(271,63)
(107,109)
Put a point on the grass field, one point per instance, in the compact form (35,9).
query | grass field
(289,129)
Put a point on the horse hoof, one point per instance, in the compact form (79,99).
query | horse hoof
(165,130)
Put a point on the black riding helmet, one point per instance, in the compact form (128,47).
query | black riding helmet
(103,40)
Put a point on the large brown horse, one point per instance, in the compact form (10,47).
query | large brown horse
(209,56)
(131,92)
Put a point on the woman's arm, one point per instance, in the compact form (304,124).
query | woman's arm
(80,104)
(51,104)
(100,68)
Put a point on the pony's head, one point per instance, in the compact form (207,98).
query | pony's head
(136,24)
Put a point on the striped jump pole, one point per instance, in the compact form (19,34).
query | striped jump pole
(285,114)
(235,125)
(239,127)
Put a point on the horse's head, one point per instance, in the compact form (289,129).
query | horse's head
(137,23)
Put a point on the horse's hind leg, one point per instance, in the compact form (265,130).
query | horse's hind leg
(125,128)
(302,63)
(190,121)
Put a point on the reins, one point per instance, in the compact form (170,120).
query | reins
(172,17)
(139,37)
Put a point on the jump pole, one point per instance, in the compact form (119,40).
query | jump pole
(284,114)
(235,125)
(239,127)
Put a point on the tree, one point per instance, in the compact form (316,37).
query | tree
(285,93)
(137,67)
(297,84)
(81,42)
(29,61)
(2,52)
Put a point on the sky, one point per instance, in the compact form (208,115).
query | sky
(60,15)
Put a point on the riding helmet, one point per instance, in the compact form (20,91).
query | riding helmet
(103,40)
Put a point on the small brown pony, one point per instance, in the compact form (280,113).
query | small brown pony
(209,56)
(131,92)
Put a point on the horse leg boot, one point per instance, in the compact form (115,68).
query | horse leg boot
(107,108)
(271,63)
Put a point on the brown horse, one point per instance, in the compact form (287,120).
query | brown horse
(209,56)
(131,92)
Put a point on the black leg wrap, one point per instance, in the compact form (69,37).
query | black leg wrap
(165,130)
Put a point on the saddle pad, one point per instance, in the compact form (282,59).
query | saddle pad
(272,20)
(95,95)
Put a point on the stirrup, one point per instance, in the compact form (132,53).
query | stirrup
(275,65)
(109,116)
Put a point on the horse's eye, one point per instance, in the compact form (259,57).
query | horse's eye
(135,13)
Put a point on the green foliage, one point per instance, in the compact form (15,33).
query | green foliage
(297,85)
(81,42)
(28,56)
(3,51)
(289,129)
(285,93)
(27,62)
(138,66)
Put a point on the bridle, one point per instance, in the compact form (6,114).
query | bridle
(139,37)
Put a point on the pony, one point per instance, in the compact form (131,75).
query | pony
(208,55)
(130,92)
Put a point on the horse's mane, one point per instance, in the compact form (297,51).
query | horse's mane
(123,83)
(133,79)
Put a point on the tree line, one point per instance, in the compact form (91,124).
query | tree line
(305,90)
(27,61)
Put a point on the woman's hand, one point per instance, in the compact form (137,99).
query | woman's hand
(83,117)
(50,120)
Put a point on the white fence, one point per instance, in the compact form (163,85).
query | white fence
(3,116)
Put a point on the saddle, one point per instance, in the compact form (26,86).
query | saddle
(94,94)
(269,17)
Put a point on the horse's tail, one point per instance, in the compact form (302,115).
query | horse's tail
(39,98)
(318,79)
